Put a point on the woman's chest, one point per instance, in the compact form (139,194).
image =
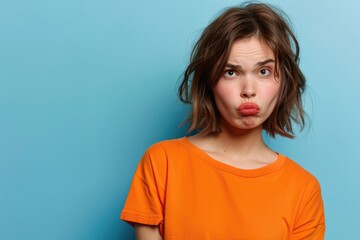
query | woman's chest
(218,208)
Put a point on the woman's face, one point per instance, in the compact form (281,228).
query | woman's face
(247,92)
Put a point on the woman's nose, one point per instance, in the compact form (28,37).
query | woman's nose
(248,89)
(248,94)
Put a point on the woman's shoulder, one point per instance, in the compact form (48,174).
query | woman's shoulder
(159,154)
(169,147)
(166,145)
(298,173)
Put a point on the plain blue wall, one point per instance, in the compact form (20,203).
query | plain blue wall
(86,86)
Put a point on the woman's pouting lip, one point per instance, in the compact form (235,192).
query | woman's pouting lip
(248,109)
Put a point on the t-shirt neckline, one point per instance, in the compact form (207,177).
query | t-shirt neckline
(257,172)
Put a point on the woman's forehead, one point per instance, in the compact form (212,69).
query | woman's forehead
(250,50)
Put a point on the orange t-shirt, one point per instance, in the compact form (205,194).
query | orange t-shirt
(193,196)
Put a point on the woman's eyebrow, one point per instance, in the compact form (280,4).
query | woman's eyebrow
(229,65)
(265,62)
(261,63)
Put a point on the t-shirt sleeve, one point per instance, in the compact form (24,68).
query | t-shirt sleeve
(145,200)
(310,222)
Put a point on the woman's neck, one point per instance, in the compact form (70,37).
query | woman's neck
(239,141)
(243,148)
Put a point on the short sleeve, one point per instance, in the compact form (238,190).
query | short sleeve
(310,221)
(145,200)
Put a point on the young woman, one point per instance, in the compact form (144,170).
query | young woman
(224,182)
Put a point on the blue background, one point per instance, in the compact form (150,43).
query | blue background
(86,86)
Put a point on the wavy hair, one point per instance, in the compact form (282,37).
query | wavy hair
(211,52)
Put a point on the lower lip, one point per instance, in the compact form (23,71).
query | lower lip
(249,111)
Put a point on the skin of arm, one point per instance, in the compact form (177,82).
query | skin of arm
(147,232)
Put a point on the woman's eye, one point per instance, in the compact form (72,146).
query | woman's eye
(265,72)
(230,73)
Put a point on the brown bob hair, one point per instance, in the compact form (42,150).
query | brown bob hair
(211,53)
